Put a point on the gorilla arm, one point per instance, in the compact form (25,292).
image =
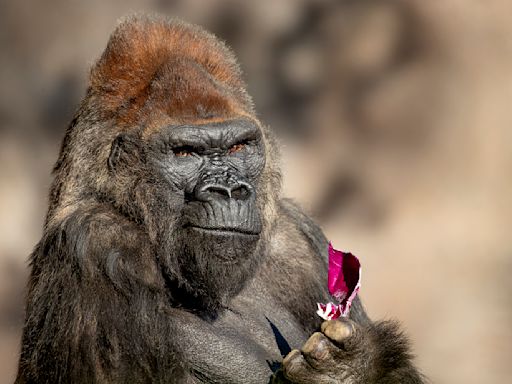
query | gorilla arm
(93,297)
(354,350)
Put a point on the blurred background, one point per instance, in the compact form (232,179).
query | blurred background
(395,119)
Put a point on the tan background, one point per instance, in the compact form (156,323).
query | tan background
(396,124)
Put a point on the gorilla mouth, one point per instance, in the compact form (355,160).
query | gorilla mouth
(225,231)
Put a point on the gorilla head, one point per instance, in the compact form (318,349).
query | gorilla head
(168,136)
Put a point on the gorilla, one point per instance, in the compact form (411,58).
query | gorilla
(168,254)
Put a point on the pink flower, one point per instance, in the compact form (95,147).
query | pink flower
(343,281)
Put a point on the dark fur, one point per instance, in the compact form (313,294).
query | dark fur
(115,293)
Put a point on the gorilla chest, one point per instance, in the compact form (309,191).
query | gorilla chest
(244,345)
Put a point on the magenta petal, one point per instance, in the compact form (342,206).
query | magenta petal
(329,311)
(344,277)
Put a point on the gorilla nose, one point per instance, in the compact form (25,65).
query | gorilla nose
(216,191)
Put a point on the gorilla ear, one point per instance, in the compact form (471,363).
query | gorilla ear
(123,150)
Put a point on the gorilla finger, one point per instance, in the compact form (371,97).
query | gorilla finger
(319,352)
(298,371)
(338,330)
(345,334)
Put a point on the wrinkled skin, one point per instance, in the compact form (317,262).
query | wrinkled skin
(168,254)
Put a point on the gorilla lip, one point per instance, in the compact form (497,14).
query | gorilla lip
(344,282)
(224,231)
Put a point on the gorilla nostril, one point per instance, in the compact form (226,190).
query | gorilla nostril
(213,191)
(240,192)
(219,192)
(216,191)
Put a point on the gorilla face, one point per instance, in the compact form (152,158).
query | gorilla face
(206,177)
(216,167)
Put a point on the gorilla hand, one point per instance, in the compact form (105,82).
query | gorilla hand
(345,352)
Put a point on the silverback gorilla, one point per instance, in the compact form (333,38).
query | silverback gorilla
(168,255)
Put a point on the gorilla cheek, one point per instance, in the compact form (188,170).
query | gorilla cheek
(252,161)
(181,177)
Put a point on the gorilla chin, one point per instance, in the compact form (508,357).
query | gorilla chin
(214,266)
(219,248)
(226,245)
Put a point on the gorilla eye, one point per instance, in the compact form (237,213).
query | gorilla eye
(236,148)
(183,151)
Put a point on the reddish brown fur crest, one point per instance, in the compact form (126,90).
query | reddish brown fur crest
(170,71)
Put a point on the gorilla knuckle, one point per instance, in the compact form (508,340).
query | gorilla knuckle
(294,365)
(339,330)
(317,348)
